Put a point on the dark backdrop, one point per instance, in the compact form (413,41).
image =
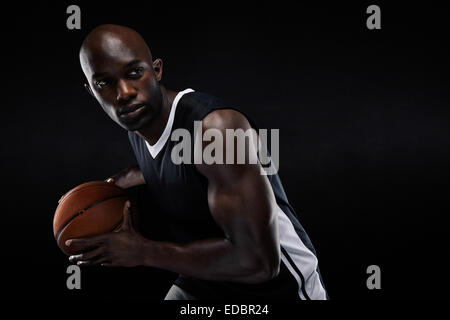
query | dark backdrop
(363,118)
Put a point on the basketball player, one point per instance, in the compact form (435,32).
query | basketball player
(235,233)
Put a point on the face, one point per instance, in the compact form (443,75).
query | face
(125,82)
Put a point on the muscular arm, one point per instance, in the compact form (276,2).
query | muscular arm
(242,203)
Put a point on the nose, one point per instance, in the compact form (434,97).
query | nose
(125,91)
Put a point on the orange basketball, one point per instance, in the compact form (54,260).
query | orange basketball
(89,209)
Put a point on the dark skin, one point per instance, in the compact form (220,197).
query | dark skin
(240,199)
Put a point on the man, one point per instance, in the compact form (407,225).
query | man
(235,234)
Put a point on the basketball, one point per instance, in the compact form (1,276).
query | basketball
(90,209)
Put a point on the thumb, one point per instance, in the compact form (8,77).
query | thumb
(127,223)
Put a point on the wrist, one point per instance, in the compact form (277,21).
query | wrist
(146,249)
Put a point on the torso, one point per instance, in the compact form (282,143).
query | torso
(182,193)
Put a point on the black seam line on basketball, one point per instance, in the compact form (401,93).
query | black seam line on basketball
(70,193)
(83,211)
(298,271)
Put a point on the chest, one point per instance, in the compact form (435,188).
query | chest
(178,188)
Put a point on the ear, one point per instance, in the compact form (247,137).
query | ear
(158,68)
(88,88)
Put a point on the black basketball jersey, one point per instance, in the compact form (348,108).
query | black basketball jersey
(181,191)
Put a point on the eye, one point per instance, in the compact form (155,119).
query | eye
(136,72)
(101,83)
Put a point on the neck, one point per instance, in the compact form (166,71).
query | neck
(154,131)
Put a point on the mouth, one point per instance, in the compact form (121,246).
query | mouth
(132,112)
(131,108)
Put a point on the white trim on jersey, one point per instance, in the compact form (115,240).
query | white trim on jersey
(303,259)
(157,147)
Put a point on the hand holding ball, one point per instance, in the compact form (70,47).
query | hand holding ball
(90,209)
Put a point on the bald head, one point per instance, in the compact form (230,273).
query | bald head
(111,41)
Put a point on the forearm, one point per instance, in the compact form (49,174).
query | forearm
(212,259)
(128,177)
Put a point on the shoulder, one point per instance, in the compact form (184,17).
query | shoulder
(213,111)
(199,103)
(223,119)
(196,98)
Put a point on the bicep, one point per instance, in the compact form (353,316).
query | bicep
(240,198)
(244,208)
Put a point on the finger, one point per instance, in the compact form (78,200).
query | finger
(127,220)
(90,255)
(96,261)
(85,243)
(110,180)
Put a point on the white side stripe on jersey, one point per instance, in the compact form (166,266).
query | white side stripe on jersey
(299,260)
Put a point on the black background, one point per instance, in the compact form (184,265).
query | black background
(363,118)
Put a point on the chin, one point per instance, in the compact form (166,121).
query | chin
(139,124)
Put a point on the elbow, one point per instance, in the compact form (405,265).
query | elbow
(265,269)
